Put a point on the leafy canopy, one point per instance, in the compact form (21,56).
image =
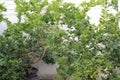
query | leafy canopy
(83,50)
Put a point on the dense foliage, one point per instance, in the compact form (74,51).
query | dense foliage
(83,50)
(2,8)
